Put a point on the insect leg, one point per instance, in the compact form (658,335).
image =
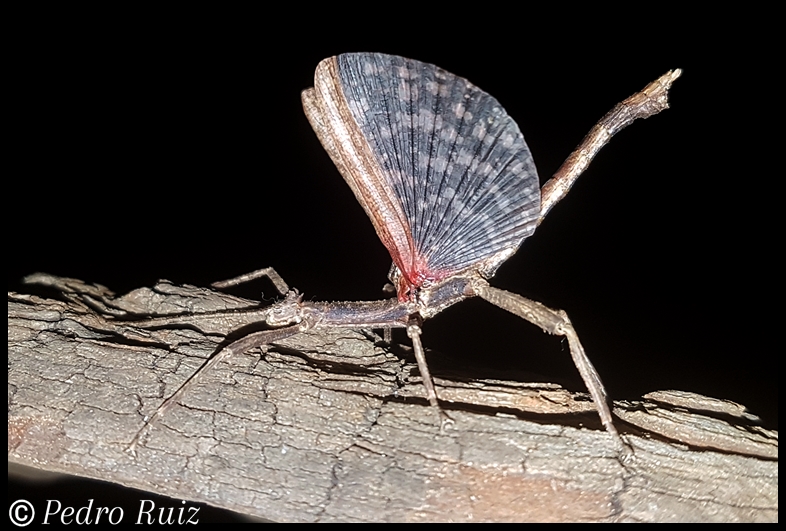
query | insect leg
(414,331)
(268,272)
(237,347)
(555,322)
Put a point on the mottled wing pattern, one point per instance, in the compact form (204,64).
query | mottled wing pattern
(457,162)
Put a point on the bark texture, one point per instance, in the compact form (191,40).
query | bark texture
(332,425)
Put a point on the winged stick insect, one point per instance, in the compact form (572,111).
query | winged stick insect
(449,184)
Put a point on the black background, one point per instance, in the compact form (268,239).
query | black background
(178,149)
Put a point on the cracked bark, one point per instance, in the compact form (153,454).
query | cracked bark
(331,425)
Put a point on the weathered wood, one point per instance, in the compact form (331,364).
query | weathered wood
(332,425)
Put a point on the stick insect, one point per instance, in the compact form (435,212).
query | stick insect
(448,182)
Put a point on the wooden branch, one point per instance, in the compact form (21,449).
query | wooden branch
(332,425)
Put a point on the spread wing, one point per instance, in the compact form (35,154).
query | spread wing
(438,165)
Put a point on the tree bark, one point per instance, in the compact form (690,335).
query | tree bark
(333,424)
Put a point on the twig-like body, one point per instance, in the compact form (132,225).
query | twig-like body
(293,316)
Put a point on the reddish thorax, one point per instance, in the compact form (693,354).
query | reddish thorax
(411,279)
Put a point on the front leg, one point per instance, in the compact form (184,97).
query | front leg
(266,272)
(554,322)
(240,346)
(287,314)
